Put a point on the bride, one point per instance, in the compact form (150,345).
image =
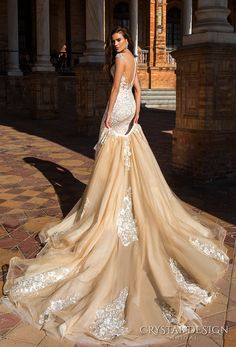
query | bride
(130,255)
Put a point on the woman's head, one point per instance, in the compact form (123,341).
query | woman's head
(118,40)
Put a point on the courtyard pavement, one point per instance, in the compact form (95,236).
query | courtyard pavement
(44,168)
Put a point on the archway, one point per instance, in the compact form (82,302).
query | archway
(121,14)
(173,28)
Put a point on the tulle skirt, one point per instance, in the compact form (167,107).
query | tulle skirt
(130,255)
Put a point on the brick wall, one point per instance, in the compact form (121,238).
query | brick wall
(159,74)
(205,135)
(143,75)
(163,78)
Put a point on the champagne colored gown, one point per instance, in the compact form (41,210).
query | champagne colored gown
(130,254)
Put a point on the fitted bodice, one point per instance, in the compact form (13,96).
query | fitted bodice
(124,107)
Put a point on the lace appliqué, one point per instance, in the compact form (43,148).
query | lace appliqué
(127,230)
(31,285)
(187,285)
(109,321)
(210,250)
(170,315)
(55,306)
(127,153)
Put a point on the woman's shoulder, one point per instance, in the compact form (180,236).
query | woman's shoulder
(120,56)
(125,56)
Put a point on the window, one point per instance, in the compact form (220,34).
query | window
(173,29)
(121,14)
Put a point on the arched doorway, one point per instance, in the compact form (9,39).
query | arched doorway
(173,28)
(121,14)
(27,34)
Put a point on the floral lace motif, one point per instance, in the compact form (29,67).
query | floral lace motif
(109,321)
(187,285)
(126,224)
(210,250)
(123,111)
(127,153)
(31,285)
(55,306)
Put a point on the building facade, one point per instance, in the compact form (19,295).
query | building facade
(52,53)
(65,34)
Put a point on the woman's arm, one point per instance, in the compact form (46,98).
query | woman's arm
(137,96)
(119,69)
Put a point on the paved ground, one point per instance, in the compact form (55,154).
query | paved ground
(44,168)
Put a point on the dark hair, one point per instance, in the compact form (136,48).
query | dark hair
(110,52)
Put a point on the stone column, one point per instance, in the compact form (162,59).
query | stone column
(212,24)
(43,37)
(92,84)
(134,24)
(44,81)
(95,32)
(204,138)
(13,44)
(187,17)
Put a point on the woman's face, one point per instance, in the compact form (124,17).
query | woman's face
(119,42)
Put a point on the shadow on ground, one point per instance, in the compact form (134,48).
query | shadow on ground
(217,198)
(66,186)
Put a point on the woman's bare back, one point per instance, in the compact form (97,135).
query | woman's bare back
(130,66)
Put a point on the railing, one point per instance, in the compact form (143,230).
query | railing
(65,62)
(26,61)
(143,56)
(169,59)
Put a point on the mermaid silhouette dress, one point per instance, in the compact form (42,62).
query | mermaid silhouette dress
(129,255)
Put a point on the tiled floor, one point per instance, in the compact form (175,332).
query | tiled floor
(44,169)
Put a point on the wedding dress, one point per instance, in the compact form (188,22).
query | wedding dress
(129,255)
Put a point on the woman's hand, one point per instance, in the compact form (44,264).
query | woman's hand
(136,118)
(108,121)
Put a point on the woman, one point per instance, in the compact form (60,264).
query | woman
(129,255)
